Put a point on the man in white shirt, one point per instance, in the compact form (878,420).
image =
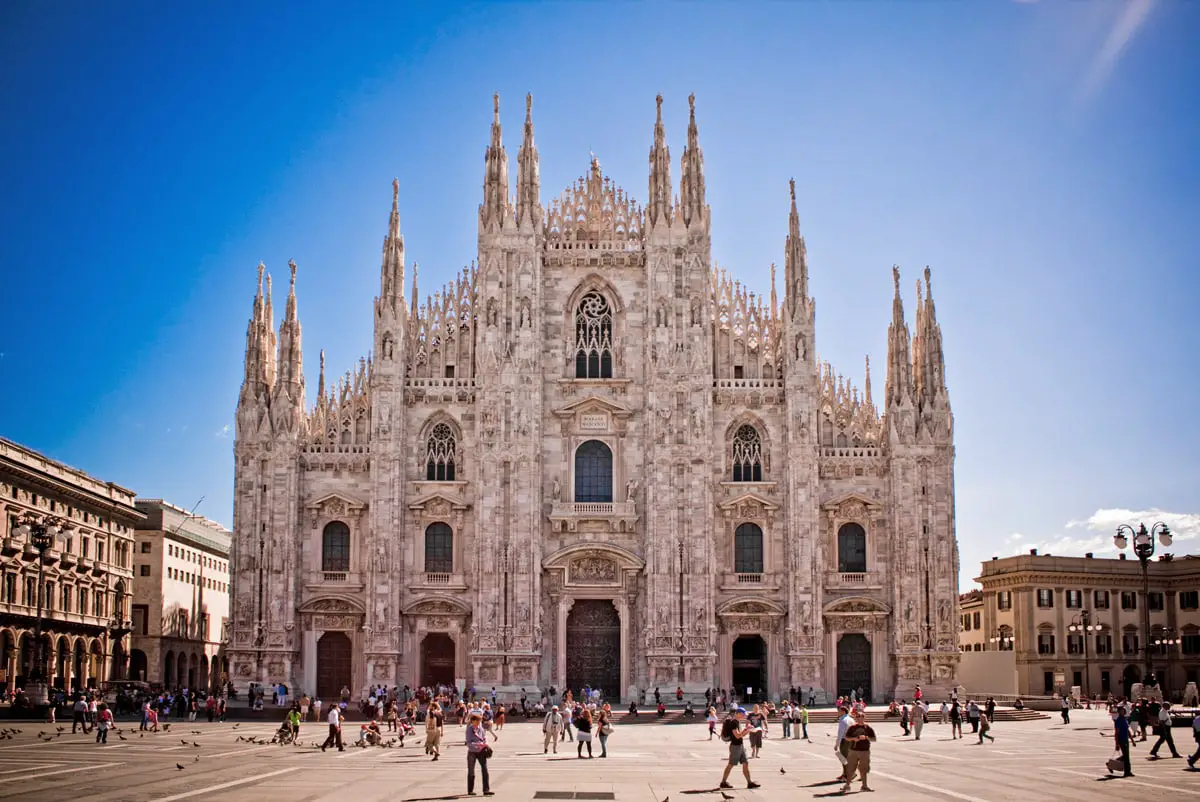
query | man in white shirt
(840,745)
(1164,732)
(335,729)
(918,717)
(551,728)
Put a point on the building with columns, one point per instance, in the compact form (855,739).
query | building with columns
(181,598)
(87,573)
(595,458)
(1033,600)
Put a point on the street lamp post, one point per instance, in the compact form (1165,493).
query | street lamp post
(42,533)
(1082,624)
(1002,640)
(1166,640)
(1143,547)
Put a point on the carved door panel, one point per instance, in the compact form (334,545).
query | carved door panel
(437,660)
(854,666)
(334,655)
(594,647)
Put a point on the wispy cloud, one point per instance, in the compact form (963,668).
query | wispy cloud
(1129,21)
(1095,533)
(222,433)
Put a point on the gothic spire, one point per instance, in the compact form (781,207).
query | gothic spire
(796,260)
(391,272)
(930,355)
(412,315)
(659,206)
(899,372)
(870,402)
(290,367)
(268,338)
(255,378)
(774,296)
(494,210)
(691,183)
(528,180)
(321,380)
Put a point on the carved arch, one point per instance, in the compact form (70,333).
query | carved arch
(750,605)
(333,604)
(438,603)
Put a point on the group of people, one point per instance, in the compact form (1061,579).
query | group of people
(1134,719)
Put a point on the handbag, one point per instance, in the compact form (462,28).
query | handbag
(486,752)
(606,729)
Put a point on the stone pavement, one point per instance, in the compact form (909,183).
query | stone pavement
(1038,760)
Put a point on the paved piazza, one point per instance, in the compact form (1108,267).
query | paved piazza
(1030,760)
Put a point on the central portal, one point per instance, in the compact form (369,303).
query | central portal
(854,666)
(334,657)
(437,660)
(594,647)
(750,667)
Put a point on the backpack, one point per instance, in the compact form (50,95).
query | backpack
(727,730)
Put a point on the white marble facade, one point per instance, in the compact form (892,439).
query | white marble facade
(594,457)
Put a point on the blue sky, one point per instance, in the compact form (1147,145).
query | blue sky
(1039,156)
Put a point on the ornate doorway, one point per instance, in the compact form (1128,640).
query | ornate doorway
(854,666)
(437,660)
(594,647)
(750,667)
(334,655)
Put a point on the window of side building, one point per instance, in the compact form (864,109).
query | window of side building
(1045,598)
(1189,600)
(1074,599)
(1128,600)
(1100,599)
(1155,600)
(1004,600)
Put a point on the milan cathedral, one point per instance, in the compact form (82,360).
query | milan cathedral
(595,459)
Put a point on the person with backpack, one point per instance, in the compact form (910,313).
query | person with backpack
(733,731)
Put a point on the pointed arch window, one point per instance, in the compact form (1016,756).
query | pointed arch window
(748,549)
(593,338)
(335,547)
(747,455)
(439,548)
(593,473)
(440,454)
(852,549)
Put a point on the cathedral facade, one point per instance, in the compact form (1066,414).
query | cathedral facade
(595,459)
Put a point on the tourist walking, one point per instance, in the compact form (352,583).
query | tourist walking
(1164,732)
(1195,737)
(335,730)
(733,731)
(434,727)
(583,727)
(840,745)
(478,751)
(955,721)
(1065,709)
(973,715)
(904,717)
(711,718)
(1121,736)
(860,736)
(758,725)
(604,728)
(985,724)
(104,720)
(803,722)
(918,717)
(551,727)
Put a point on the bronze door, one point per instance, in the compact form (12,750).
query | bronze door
(334,657)
(854,666)
(594,647)
(437,660)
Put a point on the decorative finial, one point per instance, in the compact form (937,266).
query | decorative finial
(928,285)
(692,104)
(496,107)
(395,191)
(292,267)
(896,277)
(792,188)
(261,268)
(658,102)
(528,105)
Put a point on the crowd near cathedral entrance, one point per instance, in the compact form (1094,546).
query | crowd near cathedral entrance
(594,458)
(594,647)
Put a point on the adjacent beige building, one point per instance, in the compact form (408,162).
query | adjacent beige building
(181,594)
(1036,599)
(972,637)
(87,580)
(596,458)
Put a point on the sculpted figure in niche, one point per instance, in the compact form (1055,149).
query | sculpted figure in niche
(631,489)
(556,490)
(695,312)
(523,321)
(493,313)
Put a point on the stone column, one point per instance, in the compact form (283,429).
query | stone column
(623,615)
(564,609)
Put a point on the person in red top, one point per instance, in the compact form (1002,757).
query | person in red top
(917,694)
(104,720)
